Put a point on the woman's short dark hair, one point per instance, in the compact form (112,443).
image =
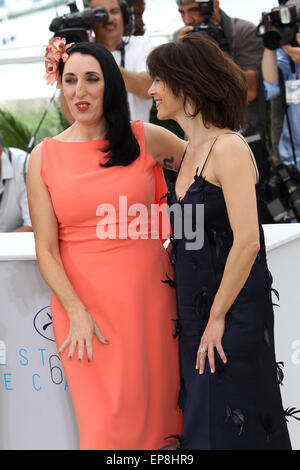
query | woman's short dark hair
(196,68)
(123,147)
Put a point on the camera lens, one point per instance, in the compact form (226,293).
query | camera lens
(272,40)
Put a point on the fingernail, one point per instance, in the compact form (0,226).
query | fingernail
(107,341)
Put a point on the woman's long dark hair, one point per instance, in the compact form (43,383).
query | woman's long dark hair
(123,148)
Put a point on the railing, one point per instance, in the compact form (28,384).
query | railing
(13,9)
(34,53)
(13,55)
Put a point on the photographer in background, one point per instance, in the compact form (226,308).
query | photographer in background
(130,53)
(238,38)
(14,213)
(285,61)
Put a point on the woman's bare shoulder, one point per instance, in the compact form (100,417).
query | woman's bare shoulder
(36,152)
(231,140)
(231,148)
(232,154)
(62,136)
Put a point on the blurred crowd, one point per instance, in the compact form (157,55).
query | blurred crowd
(270,60)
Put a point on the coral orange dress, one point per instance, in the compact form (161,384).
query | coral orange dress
(126,397)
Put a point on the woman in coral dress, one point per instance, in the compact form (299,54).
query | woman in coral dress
(113,308)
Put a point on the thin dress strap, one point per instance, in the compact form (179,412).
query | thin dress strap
(245,142)
(208,156)
(182,158)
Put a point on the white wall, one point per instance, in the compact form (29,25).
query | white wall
(35,405)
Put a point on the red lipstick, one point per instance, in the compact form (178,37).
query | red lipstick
(82,105)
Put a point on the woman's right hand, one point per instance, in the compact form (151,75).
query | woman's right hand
(81,332)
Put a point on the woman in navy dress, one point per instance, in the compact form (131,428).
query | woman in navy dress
(229,377)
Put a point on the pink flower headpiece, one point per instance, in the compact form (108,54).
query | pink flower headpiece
(55,51)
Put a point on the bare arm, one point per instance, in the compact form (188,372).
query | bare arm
(163,146)
(136,83)
(46,236)
(269,62)
(269,66)
(236,174)
(23,228)
(252,77)
(234,170)
(45,226)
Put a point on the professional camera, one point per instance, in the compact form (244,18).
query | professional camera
(280,25)
(213,30)
(206,8)
(74,25)
(283,194)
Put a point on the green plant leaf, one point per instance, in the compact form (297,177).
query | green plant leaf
(14,132)
(18,127)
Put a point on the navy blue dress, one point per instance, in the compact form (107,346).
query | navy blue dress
(239,406)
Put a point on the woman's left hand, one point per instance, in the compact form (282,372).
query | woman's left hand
(211,339)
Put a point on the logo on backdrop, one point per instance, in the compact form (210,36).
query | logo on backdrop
(42,323)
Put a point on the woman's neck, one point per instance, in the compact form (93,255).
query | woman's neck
(196,132)
(86,132)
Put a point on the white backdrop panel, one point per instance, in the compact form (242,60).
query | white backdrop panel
(35,405)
